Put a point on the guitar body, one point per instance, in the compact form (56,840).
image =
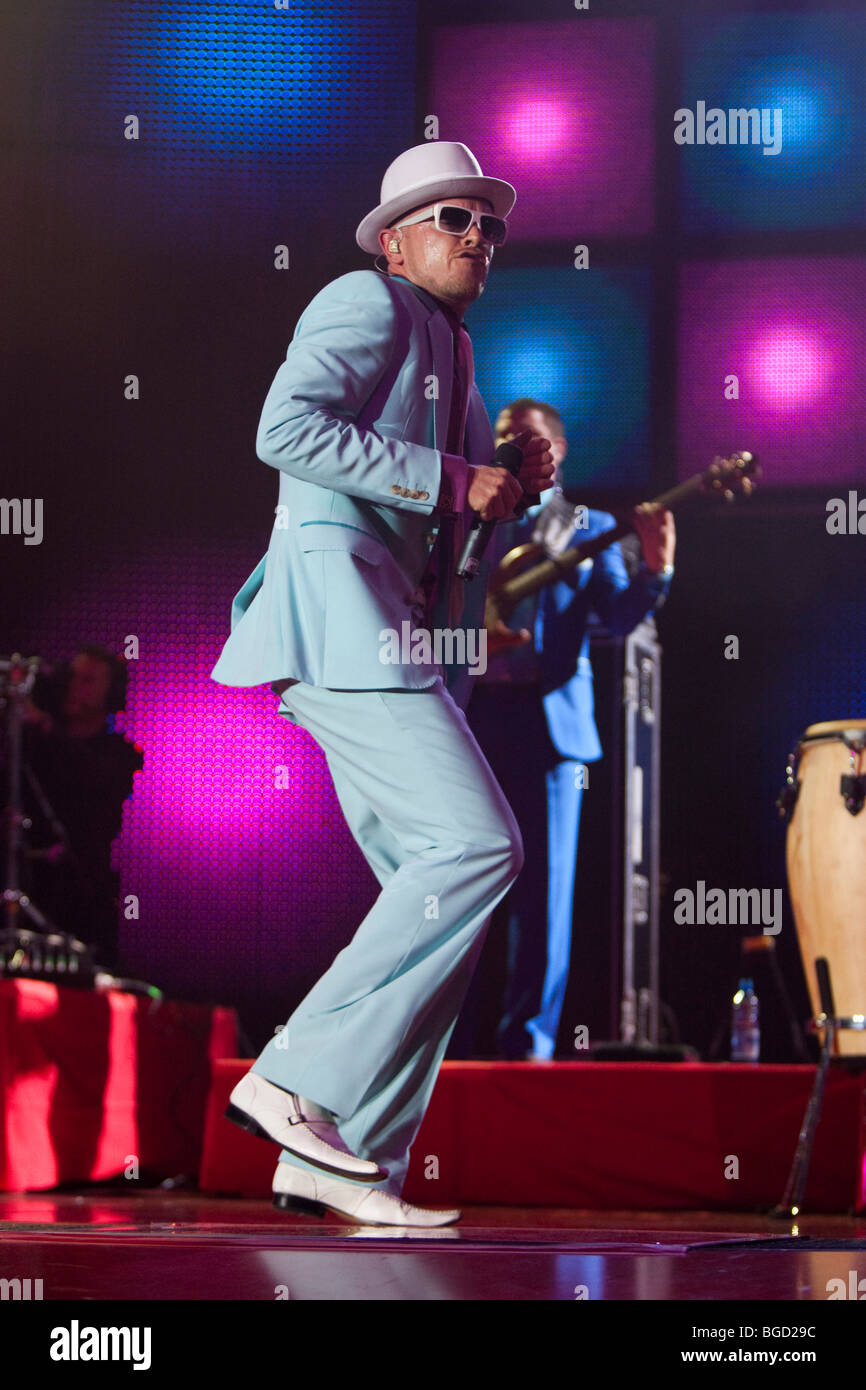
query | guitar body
(530,567)
(521,558)
(500,637)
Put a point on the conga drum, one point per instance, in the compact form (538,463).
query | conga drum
(826,860)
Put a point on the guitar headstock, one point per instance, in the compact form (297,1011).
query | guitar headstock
(727,476)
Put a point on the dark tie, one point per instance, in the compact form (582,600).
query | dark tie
(451,529)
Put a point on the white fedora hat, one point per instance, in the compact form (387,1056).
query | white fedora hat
(426,174)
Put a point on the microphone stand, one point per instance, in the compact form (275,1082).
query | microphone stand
(17,674)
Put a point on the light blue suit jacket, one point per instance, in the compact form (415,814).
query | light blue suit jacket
(356,423)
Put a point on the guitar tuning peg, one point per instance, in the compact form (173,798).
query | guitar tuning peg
(728,495)
(747,486)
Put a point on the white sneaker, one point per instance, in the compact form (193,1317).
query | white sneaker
(271,1113)
(297,1190)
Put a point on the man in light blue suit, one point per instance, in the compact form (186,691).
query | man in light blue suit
(384,450)
(533,714)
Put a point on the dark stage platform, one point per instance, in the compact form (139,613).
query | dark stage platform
(101,1244)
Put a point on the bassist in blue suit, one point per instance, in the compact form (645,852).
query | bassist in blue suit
(533,714)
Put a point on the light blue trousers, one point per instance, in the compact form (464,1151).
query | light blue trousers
(430,818)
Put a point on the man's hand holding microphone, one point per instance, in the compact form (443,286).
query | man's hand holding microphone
(494,491)
(522,468)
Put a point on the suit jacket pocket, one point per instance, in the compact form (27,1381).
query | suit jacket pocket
(341,535)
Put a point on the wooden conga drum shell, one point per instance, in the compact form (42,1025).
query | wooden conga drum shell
(826,861)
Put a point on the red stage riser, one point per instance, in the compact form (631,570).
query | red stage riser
(90,1081)
(598,1135)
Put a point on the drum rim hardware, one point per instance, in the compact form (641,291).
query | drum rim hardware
(857,1022)
(852,785)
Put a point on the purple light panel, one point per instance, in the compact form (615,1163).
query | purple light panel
(564,111)
(793,332)
(246,875)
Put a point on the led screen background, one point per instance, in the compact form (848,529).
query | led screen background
(560,111)
(808,66)
(248,116)
(792,331)
(233,842)
(580,342)
(581,118)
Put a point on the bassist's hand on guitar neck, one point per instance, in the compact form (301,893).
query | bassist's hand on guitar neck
(658,538)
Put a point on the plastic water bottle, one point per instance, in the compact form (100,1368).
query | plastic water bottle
(745,1028)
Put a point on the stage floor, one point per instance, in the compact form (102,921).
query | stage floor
(108,1243)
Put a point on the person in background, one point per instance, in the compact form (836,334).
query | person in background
(78,773)
(532,714)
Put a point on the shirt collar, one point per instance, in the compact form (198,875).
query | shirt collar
(433,302)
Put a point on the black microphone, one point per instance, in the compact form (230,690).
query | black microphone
(508,456)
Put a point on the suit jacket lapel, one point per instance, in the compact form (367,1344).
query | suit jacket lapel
(441,342)
(441,353)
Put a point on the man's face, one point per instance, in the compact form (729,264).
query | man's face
(89,680)
(453,268)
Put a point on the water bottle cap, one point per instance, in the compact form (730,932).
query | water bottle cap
(747,984)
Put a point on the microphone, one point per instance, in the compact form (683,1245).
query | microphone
(508,456)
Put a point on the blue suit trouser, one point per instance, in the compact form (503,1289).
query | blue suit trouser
(430,818)
(545,792)
(541,1013)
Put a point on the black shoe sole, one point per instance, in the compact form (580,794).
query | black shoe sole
(238,1117)
(284,1201)
(246,1122)
(303,1204)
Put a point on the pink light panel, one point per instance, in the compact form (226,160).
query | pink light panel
(792,331)
(244,884)
(563,111)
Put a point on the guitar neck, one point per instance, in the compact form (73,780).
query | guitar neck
(539,576)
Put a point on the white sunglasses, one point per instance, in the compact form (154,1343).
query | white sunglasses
(448,217)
